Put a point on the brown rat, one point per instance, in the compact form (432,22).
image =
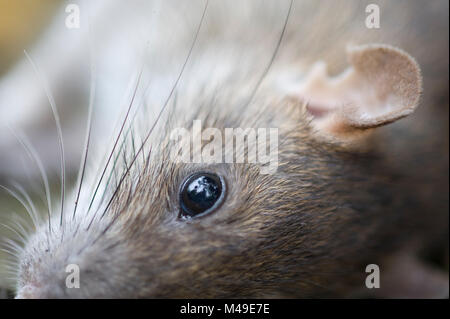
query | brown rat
(351,187)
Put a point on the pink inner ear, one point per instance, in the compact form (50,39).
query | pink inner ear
(316,110)
(382,85)
(325,95)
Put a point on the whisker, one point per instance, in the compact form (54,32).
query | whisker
(29,201)
(19,199)
(15,231)
(118,137)
(10,264)
(12,245)
(165,104)
(133,147)
(9,251)
(58,127)
(154,124)
(11,269)
(17,223)
(82,169)
(32,153)
(274,55)
(20,223)
(116,159)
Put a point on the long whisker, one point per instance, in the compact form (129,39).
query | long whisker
(118,137)
(21,201)
(274,55)
(59,129)
(19,223)
(32,153)
(29,201)
(15,231)
(154,124)
(12,246)
(165,103)
(82,169)
(120,150)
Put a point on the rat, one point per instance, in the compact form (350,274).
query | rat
(360,173)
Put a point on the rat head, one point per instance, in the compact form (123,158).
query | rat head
(218,228)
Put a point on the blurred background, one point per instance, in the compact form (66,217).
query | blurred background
(21,24)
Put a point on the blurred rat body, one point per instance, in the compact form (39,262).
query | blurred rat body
(351,188)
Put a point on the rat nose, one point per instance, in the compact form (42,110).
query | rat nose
(29,292)
(38,291)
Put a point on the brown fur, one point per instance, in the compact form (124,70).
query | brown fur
(307,231)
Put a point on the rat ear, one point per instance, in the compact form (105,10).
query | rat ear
(382,85)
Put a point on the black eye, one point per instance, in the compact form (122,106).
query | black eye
(200,194)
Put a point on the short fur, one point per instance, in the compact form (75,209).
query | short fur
(306,231)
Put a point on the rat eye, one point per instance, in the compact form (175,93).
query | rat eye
(200,194)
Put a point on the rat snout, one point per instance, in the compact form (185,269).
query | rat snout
(34,283)
(31,292)
(45,289)
(75,266)
(27,292)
